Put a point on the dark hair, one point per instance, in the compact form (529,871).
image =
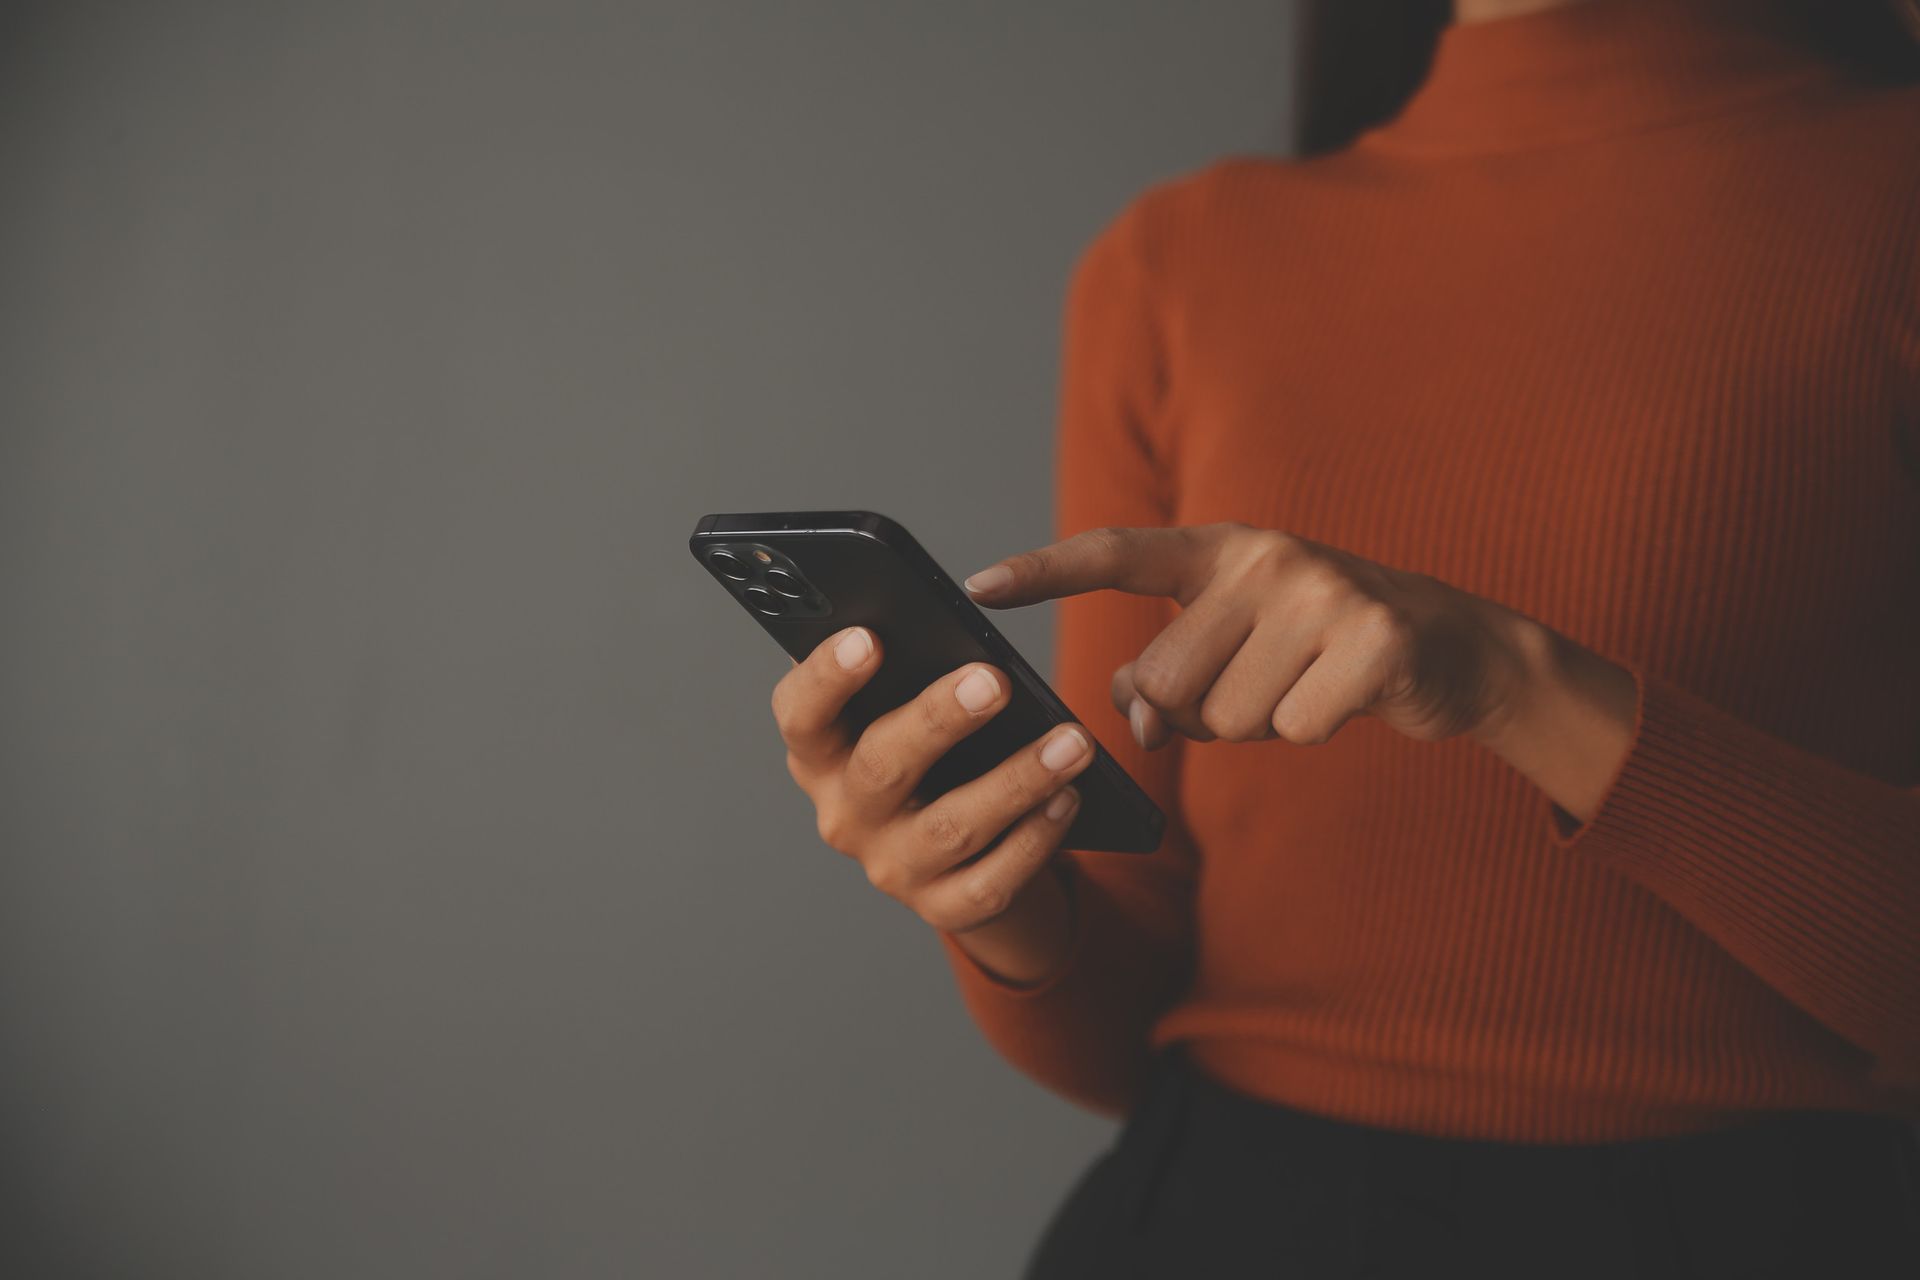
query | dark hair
(1357,63)
(1879,37)
(1360,60)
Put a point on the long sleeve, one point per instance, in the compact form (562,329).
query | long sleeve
(1647,371)
(1805,871)
(1083,1031)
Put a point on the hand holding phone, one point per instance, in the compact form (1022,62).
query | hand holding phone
(933,752)
(933,857)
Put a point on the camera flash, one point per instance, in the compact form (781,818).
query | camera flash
(762,557)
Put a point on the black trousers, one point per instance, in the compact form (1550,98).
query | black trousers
(1206,1182)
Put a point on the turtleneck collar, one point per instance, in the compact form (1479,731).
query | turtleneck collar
(1595,68)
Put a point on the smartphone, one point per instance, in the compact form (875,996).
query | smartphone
(804,575)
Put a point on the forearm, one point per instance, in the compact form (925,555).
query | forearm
(1568,722)
(1566,728)
(1802,869)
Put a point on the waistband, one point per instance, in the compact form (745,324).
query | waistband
(1739,1191)
(1178,1087)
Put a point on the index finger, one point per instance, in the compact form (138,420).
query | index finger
(1142,562)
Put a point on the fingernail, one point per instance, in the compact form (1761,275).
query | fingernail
(978,690)
(1064,748)
(988,580)
(1062,804)
(1137,721)
(853,648)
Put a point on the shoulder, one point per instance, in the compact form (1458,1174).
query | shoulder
(1855,159)
(1194,203)
(1888,111)
(1173,227)
(1863,137)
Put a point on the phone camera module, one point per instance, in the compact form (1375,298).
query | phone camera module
(729,564)
(765,601)
(786,584)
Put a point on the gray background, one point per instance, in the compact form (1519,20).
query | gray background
(398,877)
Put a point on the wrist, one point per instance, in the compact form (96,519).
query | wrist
(1566,720)
(1528,658)
(1030,941)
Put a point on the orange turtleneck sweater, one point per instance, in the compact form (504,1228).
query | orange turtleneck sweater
(1618,324)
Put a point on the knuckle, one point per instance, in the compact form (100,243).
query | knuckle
(1260,554)
(1227,722)
(875,769)
(1013,788)
(1028,850)
(1037,563)
(795,769)
(942,916)
(946,832)
(1320,583)
(1297,725)
(1157,681)
(1268,545)
(1106,543)
(835,831)
(887,876)
(1022,781)
(983,899)
(935,711)
(1380,626)
(1224,534)
(1270,542)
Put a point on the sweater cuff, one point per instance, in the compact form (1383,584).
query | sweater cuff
(979,982)
(1084,1029)
(1712,807)
(1568,832)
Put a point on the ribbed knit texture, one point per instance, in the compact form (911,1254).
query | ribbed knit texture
(1619,325)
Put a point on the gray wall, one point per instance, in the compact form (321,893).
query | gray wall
(398,877)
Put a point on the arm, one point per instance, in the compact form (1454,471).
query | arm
(1068,982)
(1805,871)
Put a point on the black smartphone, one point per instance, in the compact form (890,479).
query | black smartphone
(804,575)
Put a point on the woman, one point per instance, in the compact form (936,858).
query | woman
(1558,439)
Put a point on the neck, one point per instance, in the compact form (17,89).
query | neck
(1583,69)
(1470,11)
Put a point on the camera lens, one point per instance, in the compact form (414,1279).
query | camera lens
(785,583)
(764,601)
(730,564)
